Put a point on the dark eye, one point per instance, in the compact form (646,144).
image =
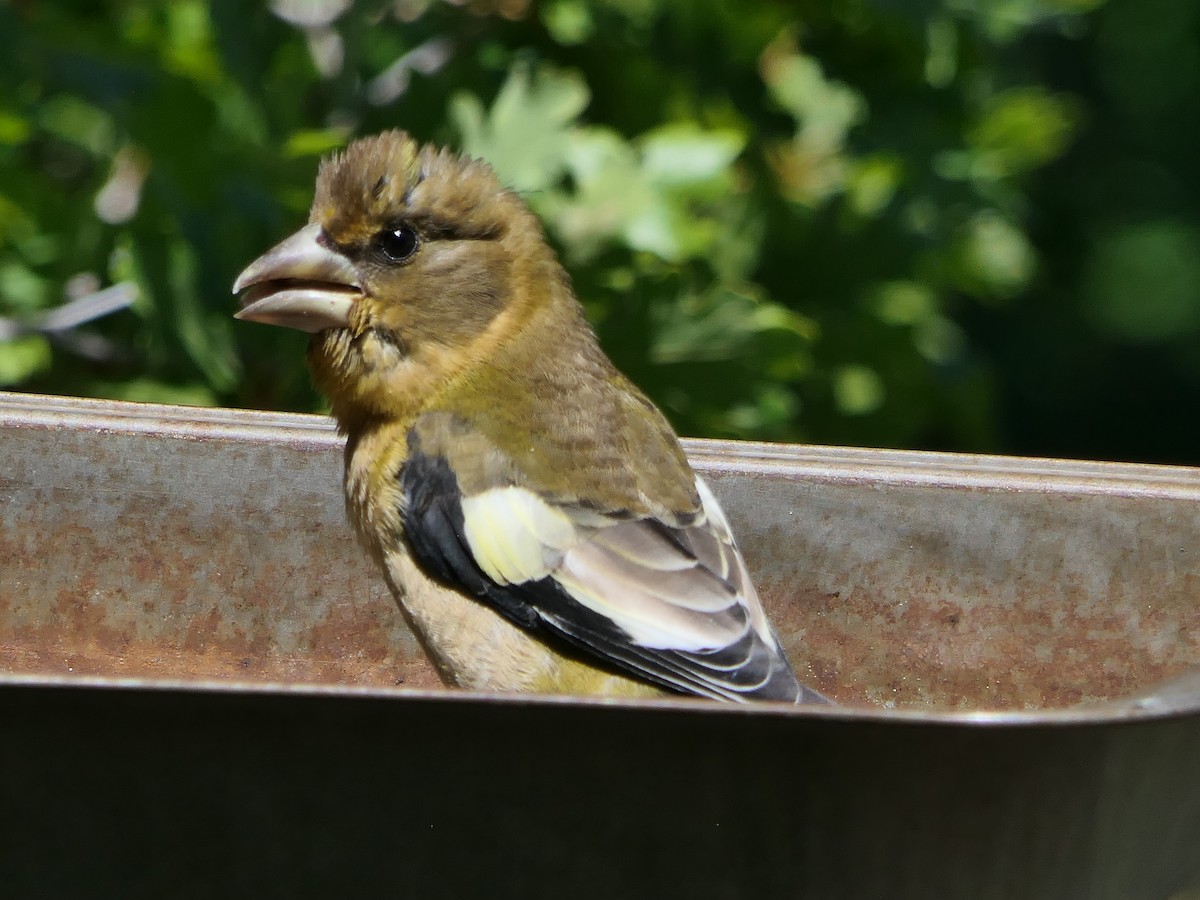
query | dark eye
(397,244)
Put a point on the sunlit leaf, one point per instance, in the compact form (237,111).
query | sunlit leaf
(189,47)
(79,122)
(524,136)
(904,302)
(997,255)
(1024,128)
(314,142)
(568,21)
(688,155)
(940,341)
(871,183)
(21,289)
(14,128)
(857,390)
(22,358)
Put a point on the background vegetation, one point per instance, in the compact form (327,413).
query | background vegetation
(943,224)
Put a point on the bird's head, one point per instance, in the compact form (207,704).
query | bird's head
(414,259)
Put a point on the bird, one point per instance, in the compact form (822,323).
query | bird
(532,510)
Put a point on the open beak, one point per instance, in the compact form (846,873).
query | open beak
(299,283)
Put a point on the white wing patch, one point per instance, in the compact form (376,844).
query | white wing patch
(733,566)
(670,588)
(655,607)
(515,535)
(664,595)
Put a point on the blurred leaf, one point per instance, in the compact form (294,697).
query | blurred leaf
(941,56)
(147,390)
(812,166)
(773,406)
(718,325)
(1022,129)
(189,49)
(14,128)
(684,155)
(904,302)
(13,221)
(940,341)
(78,122)
(857,390)
(997,257)
(23,357)
(643,193)
(824,110)
(1143,281)
(314,142)
(205,337)
(525,134)
(788,223)
(1004,20)
(872,183)
(21,289)
(568,21)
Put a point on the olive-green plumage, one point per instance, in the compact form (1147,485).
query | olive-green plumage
(533,510)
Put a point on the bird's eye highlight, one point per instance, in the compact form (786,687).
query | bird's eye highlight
(397,244)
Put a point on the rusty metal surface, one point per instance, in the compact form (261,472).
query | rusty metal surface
(1022,586)
(151,542)
(206,690)
(178,543)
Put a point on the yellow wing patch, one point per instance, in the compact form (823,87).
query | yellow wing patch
(515,535)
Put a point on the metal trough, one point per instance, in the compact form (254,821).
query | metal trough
(205,688)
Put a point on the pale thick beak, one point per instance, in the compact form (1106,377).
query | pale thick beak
(299,283)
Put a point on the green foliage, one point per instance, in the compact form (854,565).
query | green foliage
(796,224)
(23,358)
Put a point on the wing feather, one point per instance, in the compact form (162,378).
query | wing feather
(644,604)
(648,547)
(515,536)
(671,603)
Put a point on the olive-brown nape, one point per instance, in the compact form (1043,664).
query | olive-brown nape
(387,177)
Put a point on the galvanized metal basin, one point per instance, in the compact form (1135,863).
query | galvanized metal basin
(202,677)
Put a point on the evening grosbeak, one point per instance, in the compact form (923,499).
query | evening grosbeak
(531,509)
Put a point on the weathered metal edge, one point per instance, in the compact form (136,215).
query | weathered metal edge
(850,465)
(200,423)
(1107,714)
(817,464)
